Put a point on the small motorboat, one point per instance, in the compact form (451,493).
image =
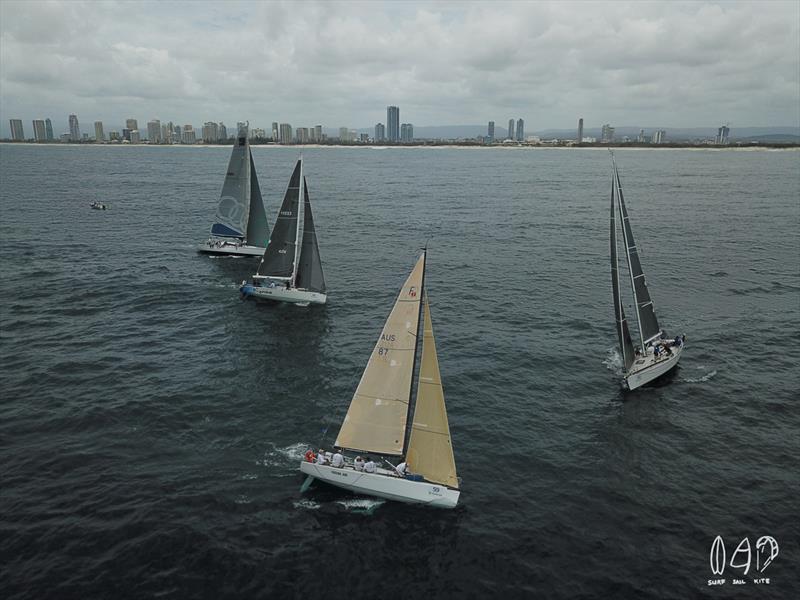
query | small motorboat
(99,206)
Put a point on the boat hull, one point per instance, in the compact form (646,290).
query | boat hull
(383,485)
(651,369)
(280,293)
(229,249)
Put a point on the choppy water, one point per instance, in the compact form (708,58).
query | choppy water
(151,423)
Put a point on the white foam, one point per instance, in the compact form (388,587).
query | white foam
(700,379)
(307,504)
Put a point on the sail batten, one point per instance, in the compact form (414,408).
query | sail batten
(378,413)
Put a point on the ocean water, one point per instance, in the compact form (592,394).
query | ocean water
(151,423)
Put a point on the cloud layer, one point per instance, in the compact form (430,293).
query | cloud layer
(680,64)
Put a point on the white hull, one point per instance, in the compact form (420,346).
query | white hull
(281,293)
(230,249)
(383,484)
(646,369)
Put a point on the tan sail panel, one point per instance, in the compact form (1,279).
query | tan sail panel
(376,419)
(430,450)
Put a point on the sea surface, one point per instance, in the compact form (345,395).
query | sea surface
(152,423)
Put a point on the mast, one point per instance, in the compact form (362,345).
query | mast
(417,342)
(297,239)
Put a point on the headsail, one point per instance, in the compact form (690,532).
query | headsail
(234,203)
(257,226)
(648,324)
(279,257)
(430,450)
(623,333)
(309,272)
(378,413)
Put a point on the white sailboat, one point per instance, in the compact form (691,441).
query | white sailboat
(240,227)
(376,423)
(291,269)
(657,355)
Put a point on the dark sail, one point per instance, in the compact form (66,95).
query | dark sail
(623,333)
(278,260)
(257,227)
(309,272)
(648,324)
(233,209)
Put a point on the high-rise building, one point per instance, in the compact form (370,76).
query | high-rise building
(380,132)
(131,124)
(48,125)
(113,136)
(17,134)
(126,133)
(344,135)
(723,135)
(580,130)
(276,132)
(659,136)
(210,132)
(154,131)
(166,136)
(607,134)
(39,130)
(188,135)
(406,132)
(302,135)
(99,136)
(285,133)
(222,132)
(74,129)
(520,130)
(393,123)
(491,131)
(318,133)
(511,129)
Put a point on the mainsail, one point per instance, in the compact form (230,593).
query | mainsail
(378,413)
(257,227)
(623,333)
(234,203)
(309,272)
(648,324)
(279,257)
(430,451)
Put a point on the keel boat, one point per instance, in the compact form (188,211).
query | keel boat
(240,227)
(377,421)
(291,268)
(656,356)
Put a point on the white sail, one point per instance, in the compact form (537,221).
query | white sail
(430,449)
(378,414)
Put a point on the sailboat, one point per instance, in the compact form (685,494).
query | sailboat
(376,424)
(656,356)
(240,227)
(291,269)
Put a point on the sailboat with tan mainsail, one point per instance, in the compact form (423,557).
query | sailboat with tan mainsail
(376,424)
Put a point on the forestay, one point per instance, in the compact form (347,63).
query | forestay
(430,450)
(378,414)
(309,272)
(234,202)
(279,257)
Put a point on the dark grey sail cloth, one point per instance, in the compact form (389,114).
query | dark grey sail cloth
(309,272)
(233,209)
(623,333)
(278,260)
(644,305)
(257,226)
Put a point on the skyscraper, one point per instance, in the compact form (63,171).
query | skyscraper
(407,132)
(17,134)
(302,135)
(131,124)
(39,130)
(511,129)
(154,131)
(99,136)
(222,132)
(318,132)
(74,129)
(659,136)
(520,130)
(48,125)
(607,134)
(491,131)
(210,132)
(722,135)
(393,123)
(285,133)
(380,132)
(580,130)
(276,132)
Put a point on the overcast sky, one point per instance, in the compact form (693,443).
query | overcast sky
(670,64)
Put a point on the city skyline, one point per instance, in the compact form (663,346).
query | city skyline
(695,63)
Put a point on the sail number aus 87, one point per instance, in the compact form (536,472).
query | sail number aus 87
(382,351)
